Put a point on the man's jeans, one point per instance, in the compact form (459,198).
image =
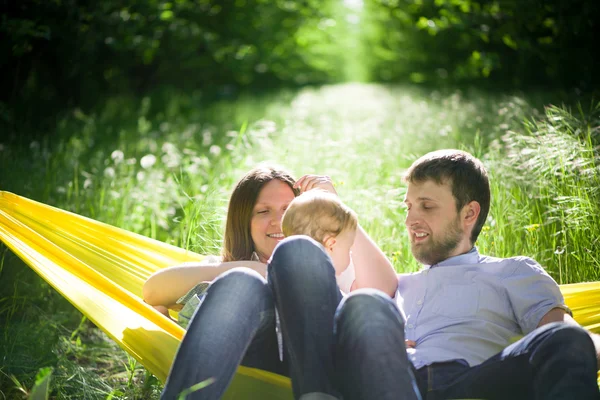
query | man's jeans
(235,324)
(556,361)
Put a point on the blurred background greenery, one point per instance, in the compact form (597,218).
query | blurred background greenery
(60,54)
(143,114)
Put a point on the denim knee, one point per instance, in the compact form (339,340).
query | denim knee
(298,256)
(367,307)
(565,341)
(241,281)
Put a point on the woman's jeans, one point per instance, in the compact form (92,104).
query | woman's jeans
(235,324)
(302,278)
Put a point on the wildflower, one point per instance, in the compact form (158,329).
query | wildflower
(147,161)
(117,156)
(109,173)
(532,227)
(168,147)
(206,138)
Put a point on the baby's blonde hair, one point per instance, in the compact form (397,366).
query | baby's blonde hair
(317,214)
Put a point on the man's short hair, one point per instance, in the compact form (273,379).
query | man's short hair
(465,174)
(318,214)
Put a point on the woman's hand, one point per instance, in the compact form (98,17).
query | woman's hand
(308,182)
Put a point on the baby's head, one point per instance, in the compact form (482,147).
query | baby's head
(323,217)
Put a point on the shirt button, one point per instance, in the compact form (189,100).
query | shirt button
(420,302)
(411,326)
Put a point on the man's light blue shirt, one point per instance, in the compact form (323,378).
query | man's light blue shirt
(471,306)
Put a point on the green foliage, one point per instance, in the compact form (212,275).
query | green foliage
(60,54)
(198,386)
(41,388)
(510,42)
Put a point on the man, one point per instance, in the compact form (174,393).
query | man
(463,311)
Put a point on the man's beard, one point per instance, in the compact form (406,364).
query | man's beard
(439,250)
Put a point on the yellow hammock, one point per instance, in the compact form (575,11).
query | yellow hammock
(100,269)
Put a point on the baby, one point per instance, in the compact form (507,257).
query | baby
(322,216)
(318,214)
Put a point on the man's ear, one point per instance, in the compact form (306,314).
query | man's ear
(471,212)
(329,242)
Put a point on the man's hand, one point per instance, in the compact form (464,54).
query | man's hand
(410,344)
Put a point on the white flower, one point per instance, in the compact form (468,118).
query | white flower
(109,173)
(206,138)
(147,161)
(169,148)
(215,150)
(117,156)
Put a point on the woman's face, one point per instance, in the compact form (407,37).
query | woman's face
(265,225)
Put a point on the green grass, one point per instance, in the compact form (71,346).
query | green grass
(165,168)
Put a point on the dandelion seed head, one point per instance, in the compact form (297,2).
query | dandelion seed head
(109,172)
(168,147)
(148,161)
(206,138)
(117,156)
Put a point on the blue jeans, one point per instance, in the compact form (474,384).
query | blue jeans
(302,279)
(556,361)
(235,324)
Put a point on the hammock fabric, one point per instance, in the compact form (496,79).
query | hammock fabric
(101,269)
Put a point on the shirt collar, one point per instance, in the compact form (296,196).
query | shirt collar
(470,257)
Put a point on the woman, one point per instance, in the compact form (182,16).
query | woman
(235,323)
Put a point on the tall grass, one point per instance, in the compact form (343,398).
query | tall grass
(546,194)
(164,166)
